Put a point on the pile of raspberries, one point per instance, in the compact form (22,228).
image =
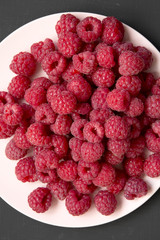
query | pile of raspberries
(83,129)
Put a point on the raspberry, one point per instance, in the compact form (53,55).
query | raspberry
(83,108)
(118,100)
(60,144)
(116,127)
(152,141)
(130,63)
(64,103)
(6,130)
(136,148)
(54,63)
(152,165)
(122,47)
(91,152)
(13,152)
(134,166)
(12,114)
(20,138)
(118,146)
(41,82)
(35,96)
(80,88)
(88,171)
(70,73)
(5,98)
(45,114)
(62,125)
(89,46)
(105,202)
(156,88)
(146,55)
(47,176)
(89,29)
(41,49)
(67,170)
(25,170)
(93,132)
(77,203)
(136,108)
(106,176)
(117,186)
(105,55)
(130,83)
(75,146)
(23,63)
(156,127)
(59,189)
(113,30)
(38,135)
(40,199)
(75,116)
(103,77)
(135,127)
(148,81)
(112,159)
(98,99)
(67,23)
(135,187)
(77,128)
(152,106)
(18,86)
(54,90)
(82,187)
(100,115)
(69,44)
(28,111)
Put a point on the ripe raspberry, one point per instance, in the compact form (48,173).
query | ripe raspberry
(77,203)
(156,127)
(20,138)
(45,114)
(130,63)
(60,144)
(41,82)
(152,106)
(118,146)
(12,114)
(62,125)
(54,90)
(118,185)
(28,111)
(100,115)
(105,202)
(25,170)
(77,128)
(91,152)
(83,108)
(70,73)
(135,187)
(146,55)
(130,83)
(133,166)
(63,103)
(113,30)
(69,44)
(41,49)
(38,135)
(152,165)
(152,141)
(35,96)
(136,148)
(13,152)
(88,171)
(156,88)
(18,86)
(6,130)
(105,55)
(136,108)
(103,77)
(40,199)
(83,187)
(23,63)
(80,88)
(59,188)
(5,98)
(118,100)
(112,159)
(122,47)
(135,126)
(47,176)
(54,63)
(93,132)
(148,80)
(75,146)
(89,29)
(67,170)
(98,99)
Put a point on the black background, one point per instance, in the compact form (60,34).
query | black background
(144,16)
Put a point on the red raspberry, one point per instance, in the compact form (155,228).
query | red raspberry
(152,141)
(41,82)
(83,108)
(136,148)
(89,29)
(18,86)
(80,88)
(130,63)
(45,114)
(67,23)
(54,90)
(93,132)
(12,114)
(69,44)
(54,63)
(38,135)
(60,144)
(20,138)
(130,83)
(135,126)
(112,159)
(152,165)
(6,130)
(62,125)
(152,106)
(98,99)
(13,152)
(105,202)
(63,103)
(5,98)
(25,170)
(70,73)
(106,176)
(135,187)
(47,176)
(77,203)
(118,146)
(40,199)
(91,152)
(116,127)
(59,188)
(105,55)
(77,128)
(41,49)
(113,30)
(122,47)
(88,171)
(75,146)
(146,55)
(23,63)
(148,81)
(67,170)
(136,108)
(83,187)
(35,96)
(100,115)
(118,185)
(156,88)
(133,166)
(156,127)
(28,111)
(103,77)
(118,100)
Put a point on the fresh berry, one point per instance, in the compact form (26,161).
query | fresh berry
(156,127)
(75,146)
(67,170)
(130,83)
(112,159)
(98,99)
(136,148)
(100,115)
(47,176)
(152,106)
(45,114)
(77,128)
(133,166)
(118,146)
(54,90)
(20,138)
(83,187)
(146,55)
(70,73)
(88,171)
(152,165)
(91,152)
(105,55)
(93,132)
(152,141)
(118,185)
(41,82)
(62,125)
(5,98)
(35,96)
(136,107)
(83,108)
(59,188)
(103,77)
(60,144)
(13,152)
(6,130)
(12,114)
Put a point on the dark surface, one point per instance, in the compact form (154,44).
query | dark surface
(143,16)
